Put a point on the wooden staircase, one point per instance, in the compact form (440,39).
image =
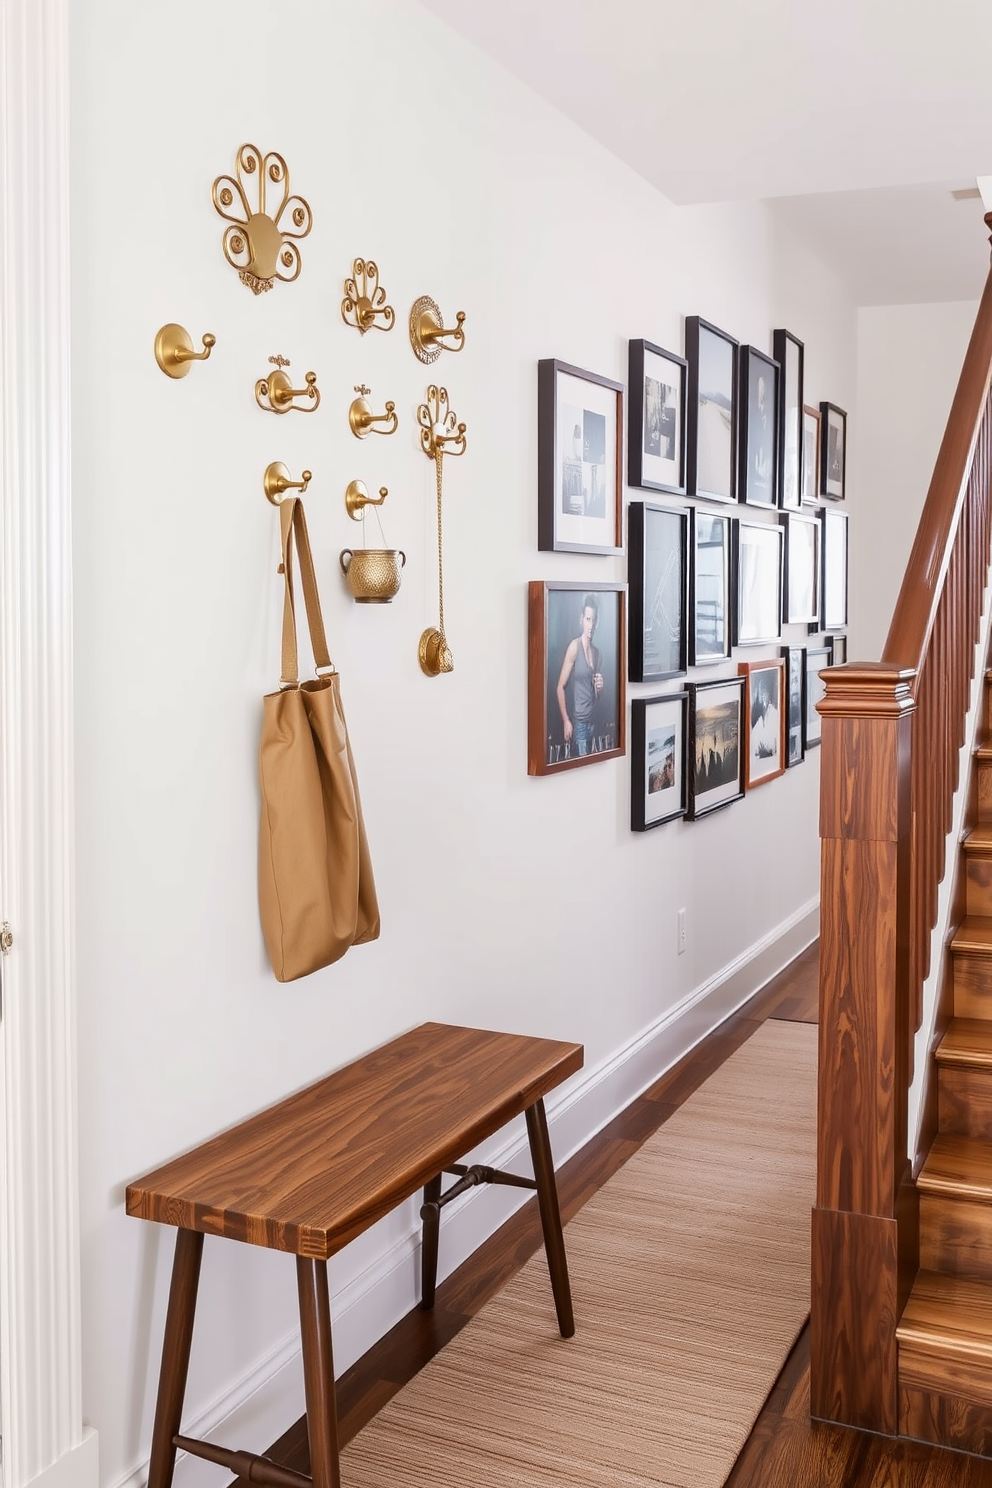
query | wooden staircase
(945,1334)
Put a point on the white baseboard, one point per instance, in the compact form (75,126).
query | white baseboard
(78,1468)
(260,1406)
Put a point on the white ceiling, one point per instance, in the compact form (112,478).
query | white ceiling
(861,115)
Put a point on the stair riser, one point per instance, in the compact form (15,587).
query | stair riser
(984,790)
(946,1420)
(972,985)
(965,1101)
(979,884)
(956,1236)
(934,1372)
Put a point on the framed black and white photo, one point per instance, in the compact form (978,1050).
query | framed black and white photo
(716,764)
(834,615)
(579,457)
(711,587)
(758,466)
(833,451)
(658,781)
(811,455)
(576,675)
(795,704)
(838,650)
(789,353)
(758,612)
(817,660)
(764,720)
(658,572)
(801,600)
(656,385)
(711,411)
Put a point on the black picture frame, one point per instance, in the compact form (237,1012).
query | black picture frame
(716,759)
(833,452)
(658,575)
(811,456)
(802,568)
(758,581)
(555,618)
(659,789)
(817,660)
(712,401)
(579,479)
(790,353)
(795,704)
(838,650)
(656,389)
(712,592)
(834,583)
(757,470)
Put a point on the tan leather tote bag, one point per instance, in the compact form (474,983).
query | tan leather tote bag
(316,891)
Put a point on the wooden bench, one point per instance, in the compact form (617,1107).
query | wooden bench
(310,1173)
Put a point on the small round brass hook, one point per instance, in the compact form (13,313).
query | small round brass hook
(276,393)
(363,421)
(174,349)
(357,498)
(276,482)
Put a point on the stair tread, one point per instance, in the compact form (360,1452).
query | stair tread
(958,1166)
(974,934)
(984,750)
(949,1315)
(979,839)
(967,1041)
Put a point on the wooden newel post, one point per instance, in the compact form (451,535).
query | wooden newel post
(865,831)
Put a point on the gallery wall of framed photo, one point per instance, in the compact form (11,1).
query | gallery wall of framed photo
(736,544)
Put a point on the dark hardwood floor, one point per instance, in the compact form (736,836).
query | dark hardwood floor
(785,1449)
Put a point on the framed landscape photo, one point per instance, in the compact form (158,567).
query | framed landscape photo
(817,660)
(833,451)
(758,612)
(656,381)
(579,459)
(834,615)
(576,675)
(801,599)
(716,765)
(658,784)
(711,586)
(658,572)
(811,455)
(711,411)
(764,720)
(795,704)
(789,352)
(758,465)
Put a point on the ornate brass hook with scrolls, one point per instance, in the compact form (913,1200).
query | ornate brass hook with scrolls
(427,330)
(257,242)
(276,394)
(364,304)
(438,432)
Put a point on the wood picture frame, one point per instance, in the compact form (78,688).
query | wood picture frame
(657,381)
(758,579)
(802,568)
(757,469)
(712,594)
(571,719)
(811,456)
(658,741)
(658,576)
(795,704)
(790,354)
(712,401)
(834,584)
(764,720)
(579,460)
(817,660)
(716,763)
(833,452)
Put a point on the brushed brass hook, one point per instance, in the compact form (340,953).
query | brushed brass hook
(439,434)
(276,393)
(363,420)
(174,349)
(276,482)
(357,498)
(427,330)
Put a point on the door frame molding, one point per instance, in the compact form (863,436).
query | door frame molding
(40,1327)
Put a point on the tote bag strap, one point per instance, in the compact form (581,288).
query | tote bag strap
(292,520)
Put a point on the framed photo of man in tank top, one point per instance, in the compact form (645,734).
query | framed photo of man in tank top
(576,675)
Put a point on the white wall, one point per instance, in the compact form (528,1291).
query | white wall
(909,361)
(507,902)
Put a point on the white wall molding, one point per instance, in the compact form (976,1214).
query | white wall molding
(40,1354)
(263,1403)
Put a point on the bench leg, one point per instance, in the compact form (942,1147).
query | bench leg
(175,1356)
(547,1197)
(428,1250)
(318,1372)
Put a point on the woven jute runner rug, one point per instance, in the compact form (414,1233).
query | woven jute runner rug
(690,1279)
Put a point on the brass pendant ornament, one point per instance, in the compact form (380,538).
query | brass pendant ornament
(438,432)
(258,242)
